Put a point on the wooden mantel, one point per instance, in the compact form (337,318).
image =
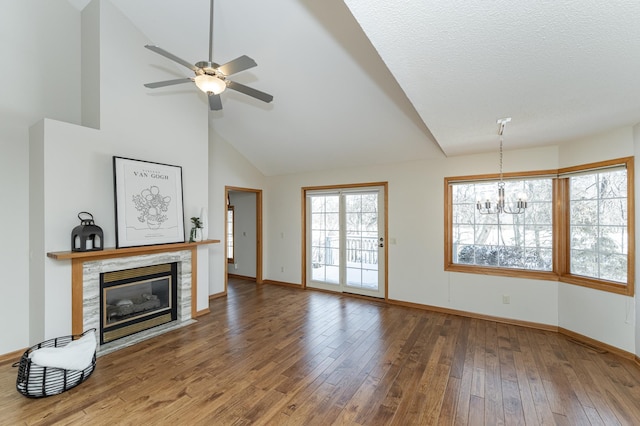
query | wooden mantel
(79,257)
(107,253)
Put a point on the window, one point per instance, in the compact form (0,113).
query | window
(578,226)
(523,241)
(230,219)
(599,226)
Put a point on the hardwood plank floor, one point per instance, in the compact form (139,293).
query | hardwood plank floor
(272,355)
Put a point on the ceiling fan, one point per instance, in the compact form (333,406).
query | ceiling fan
(210,77)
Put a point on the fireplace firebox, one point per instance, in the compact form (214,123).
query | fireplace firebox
(133,300)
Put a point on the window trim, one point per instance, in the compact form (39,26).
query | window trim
(564,266)
(560,227)
(488,270)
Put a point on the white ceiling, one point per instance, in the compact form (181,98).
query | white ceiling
(374,89)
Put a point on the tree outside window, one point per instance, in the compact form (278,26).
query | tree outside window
(523,241)
(599,218)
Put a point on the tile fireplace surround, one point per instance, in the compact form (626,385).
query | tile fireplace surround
(86,268)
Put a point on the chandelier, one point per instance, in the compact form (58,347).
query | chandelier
(486,206)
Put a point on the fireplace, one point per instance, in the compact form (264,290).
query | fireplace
(133,300)
(88,267)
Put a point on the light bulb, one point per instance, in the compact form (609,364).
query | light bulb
(210,84)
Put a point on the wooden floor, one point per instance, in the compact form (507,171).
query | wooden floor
(276,355)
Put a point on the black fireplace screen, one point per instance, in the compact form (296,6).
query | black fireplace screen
(136,299)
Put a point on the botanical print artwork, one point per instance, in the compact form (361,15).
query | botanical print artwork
(148,203)
(152,206)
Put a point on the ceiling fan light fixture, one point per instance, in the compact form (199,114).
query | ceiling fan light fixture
(210,84)
(210,77)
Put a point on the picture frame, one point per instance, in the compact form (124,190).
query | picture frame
(148,203)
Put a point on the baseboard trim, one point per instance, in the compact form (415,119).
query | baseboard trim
(282,283)
(12,356)
(202,312)
(217,295)
(241,277)
(597,344)
(510,321)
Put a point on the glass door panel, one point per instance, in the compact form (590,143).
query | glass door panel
(361,212)
(345,248)
(325,239)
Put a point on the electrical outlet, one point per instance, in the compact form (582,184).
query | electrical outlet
(506,299)
(282,269)
(235,266)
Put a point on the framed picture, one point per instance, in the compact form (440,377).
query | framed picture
(149,206)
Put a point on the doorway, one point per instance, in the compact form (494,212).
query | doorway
(243,236)
(345,239)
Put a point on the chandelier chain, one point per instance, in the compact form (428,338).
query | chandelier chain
(501,183)
(501,206)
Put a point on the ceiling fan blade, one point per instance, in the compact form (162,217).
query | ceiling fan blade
(168,83)
(171,56)
(239,64)
(265,97)
(215,103)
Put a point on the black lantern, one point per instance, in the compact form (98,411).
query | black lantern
(87,236)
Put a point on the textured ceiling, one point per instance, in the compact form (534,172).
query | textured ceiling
(560,69)
(369,82)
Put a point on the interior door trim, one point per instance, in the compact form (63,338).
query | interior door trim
(259,250)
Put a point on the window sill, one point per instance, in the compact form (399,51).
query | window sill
(609,286)
(504,272)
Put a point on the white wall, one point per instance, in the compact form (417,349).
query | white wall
(40,65)
(616,143)
(227,167)
(604,316)
(78,171)
(73,178)
(244,205)
(416,222)
(90,60)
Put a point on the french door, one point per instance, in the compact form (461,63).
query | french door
(345,244)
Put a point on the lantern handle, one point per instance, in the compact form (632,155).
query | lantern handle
(85,220)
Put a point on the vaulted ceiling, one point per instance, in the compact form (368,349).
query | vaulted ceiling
(370,82)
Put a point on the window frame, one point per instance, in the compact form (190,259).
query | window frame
(564,260)
(560,228)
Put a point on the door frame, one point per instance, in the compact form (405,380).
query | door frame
(258,193)
(385,190)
